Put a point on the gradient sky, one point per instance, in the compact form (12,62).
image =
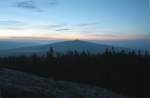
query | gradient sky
(75,19)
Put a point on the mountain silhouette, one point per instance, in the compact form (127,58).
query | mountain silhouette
(62,47)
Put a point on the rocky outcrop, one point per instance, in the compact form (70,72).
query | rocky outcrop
(15,84)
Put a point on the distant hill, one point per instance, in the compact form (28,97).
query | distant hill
(62,47)
(142,44)
(4,45)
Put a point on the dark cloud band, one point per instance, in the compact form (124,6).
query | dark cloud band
(35,5)
(66,29)
(11,22)
(26,4)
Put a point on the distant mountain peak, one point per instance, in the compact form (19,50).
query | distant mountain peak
(77,40)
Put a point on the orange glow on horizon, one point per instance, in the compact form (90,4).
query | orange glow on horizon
(29,34)
(76,36)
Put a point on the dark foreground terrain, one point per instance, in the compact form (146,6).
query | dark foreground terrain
(15,84)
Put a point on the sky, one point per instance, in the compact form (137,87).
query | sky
(75,19)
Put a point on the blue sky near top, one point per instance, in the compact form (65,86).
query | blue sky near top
(75,19)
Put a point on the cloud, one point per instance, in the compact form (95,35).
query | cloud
(53,26)
(86,24)
(48,26)
(31,38)
(11,23)
(53,2)
(118,37)
(103,35)
(19,25)
(35,5)
(65,29)
(13,28)
(26,4)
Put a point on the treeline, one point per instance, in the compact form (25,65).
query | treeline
(123,72)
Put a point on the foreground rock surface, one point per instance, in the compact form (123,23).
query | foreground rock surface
(15,84)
